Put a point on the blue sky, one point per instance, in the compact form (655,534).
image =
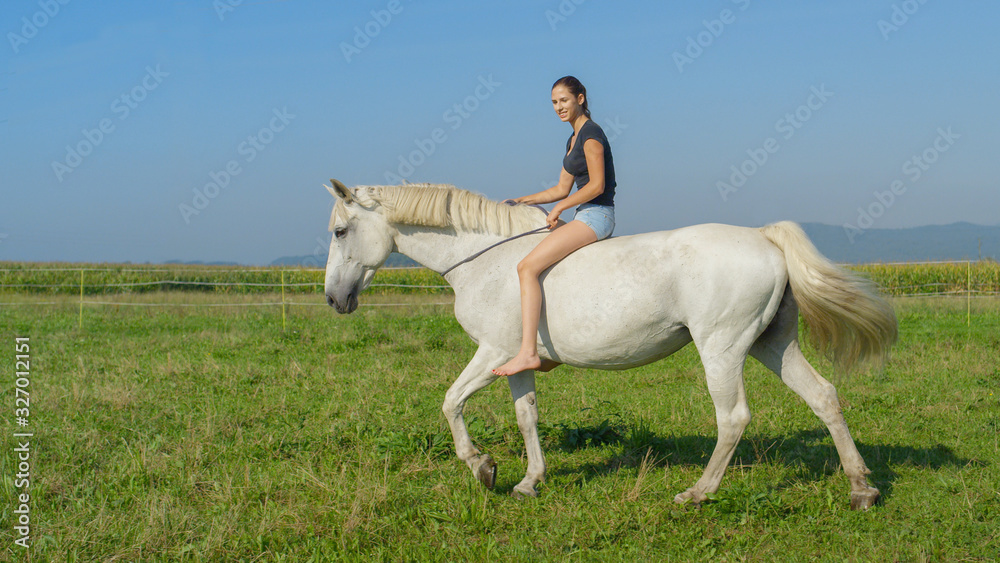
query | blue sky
(150,131)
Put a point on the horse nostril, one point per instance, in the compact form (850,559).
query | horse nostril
(329,300)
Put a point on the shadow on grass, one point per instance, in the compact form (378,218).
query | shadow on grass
(810,453)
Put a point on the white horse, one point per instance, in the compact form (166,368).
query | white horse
(621,303)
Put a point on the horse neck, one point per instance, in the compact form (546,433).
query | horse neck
(439,249)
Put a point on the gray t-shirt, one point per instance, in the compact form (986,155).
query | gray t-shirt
(575,162)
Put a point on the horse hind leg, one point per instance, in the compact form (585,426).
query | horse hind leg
(724,375)
(778,349)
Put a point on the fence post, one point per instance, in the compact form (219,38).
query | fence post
(282,300)
(80,324)
(968,299)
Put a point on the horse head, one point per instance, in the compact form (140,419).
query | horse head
(362,240)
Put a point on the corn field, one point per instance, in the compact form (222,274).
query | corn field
(959,278)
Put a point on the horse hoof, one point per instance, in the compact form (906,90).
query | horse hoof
(865,499)
(521,494)
(487,473)
(691,496)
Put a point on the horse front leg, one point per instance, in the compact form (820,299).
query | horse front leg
(474,377)
(522,390)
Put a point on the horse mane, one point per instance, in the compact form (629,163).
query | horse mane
(443,205)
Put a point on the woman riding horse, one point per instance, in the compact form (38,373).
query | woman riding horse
(588,162)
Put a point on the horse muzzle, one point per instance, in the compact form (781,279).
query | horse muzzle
(342,294)
(344,304)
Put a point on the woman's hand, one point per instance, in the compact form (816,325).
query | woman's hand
(553,218)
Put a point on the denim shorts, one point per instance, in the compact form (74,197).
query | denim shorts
(600,218)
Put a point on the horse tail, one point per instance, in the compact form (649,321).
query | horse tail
(845,316)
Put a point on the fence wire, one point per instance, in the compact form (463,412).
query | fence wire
(73,281)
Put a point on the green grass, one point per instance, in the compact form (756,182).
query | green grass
(208,433)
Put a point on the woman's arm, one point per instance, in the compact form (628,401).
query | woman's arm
(555,193)
(593,150)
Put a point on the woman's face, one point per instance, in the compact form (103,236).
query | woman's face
(567,105)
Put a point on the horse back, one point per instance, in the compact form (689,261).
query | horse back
(644,293)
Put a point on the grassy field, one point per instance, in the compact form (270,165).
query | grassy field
(197,433)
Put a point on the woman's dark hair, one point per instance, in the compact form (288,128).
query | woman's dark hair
(576,88)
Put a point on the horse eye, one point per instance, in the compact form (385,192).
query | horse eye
(340,233)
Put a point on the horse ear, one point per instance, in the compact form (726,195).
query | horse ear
(339,190)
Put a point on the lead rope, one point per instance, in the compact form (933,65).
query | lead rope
(483,251)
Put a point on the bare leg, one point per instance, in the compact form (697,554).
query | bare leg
(553,248)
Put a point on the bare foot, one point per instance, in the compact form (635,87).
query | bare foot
(518,364)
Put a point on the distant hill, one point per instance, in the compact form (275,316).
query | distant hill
(957,241)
